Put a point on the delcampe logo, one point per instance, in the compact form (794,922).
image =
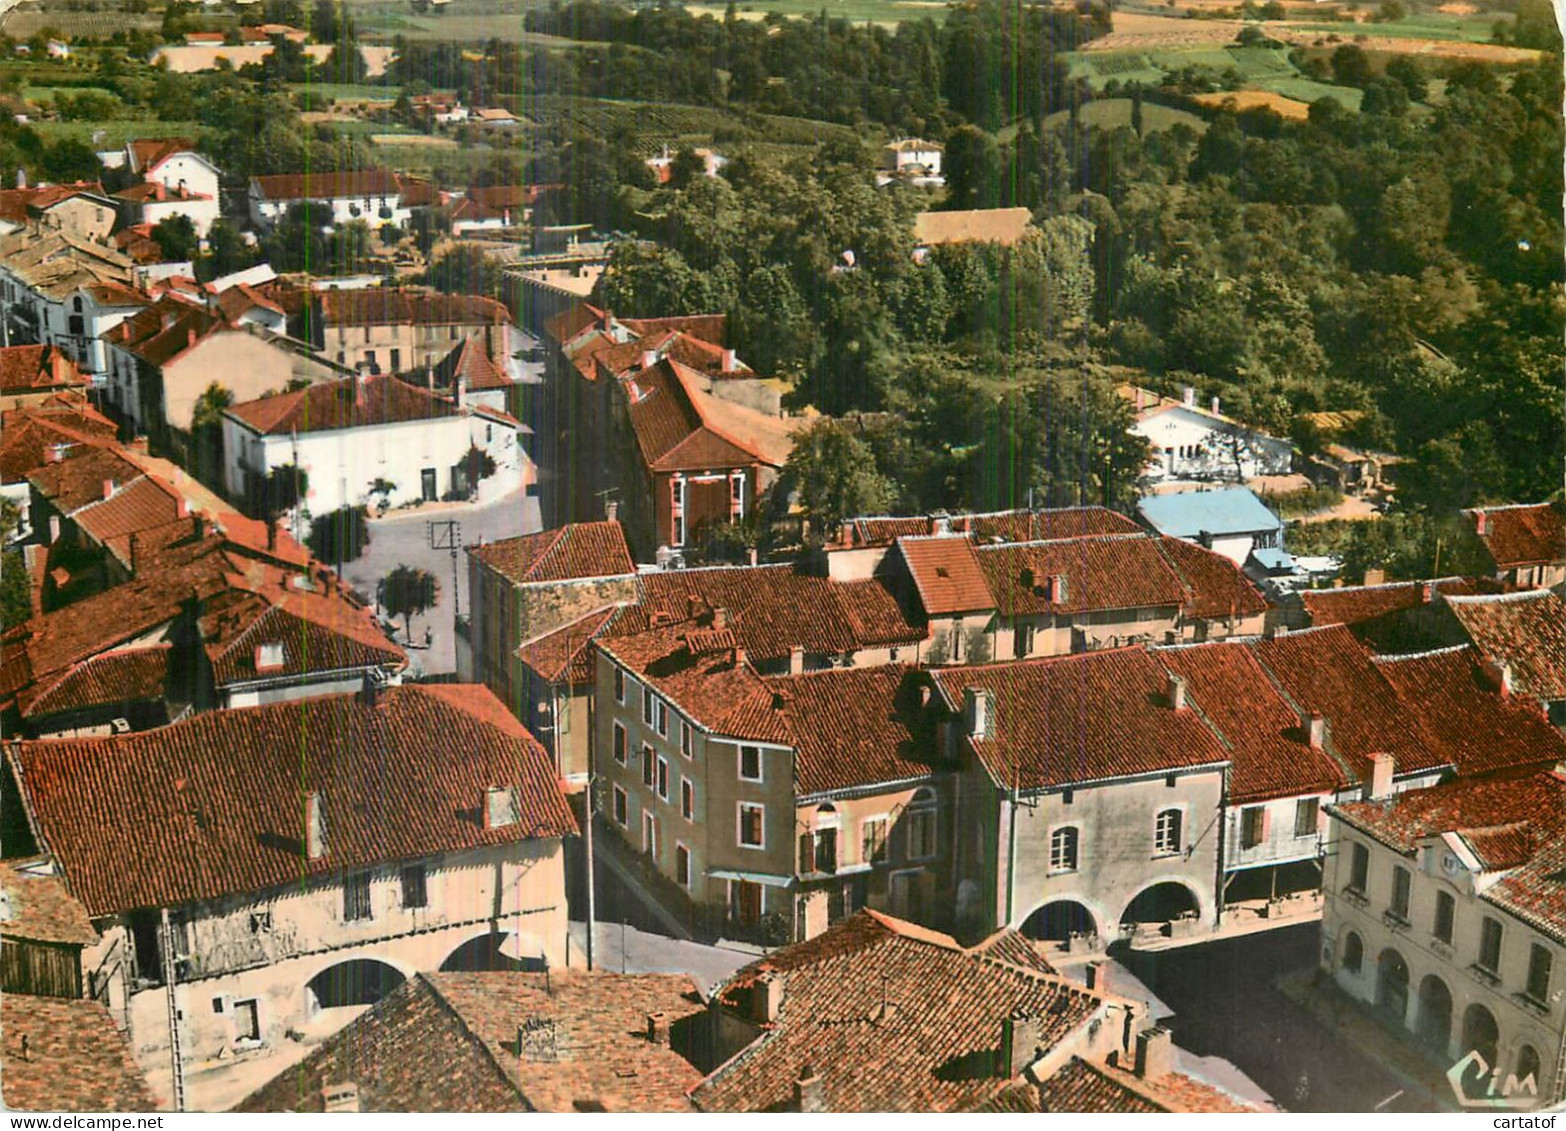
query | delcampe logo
(1477,1085)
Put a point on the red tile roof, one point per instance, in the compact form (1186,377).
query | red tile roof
(1463,708)
(152,820)
(854,727)
(718,690)
(564,553)
(437,1030)
(673,432)
(133,675)
(563,655)
(37,369)
(566,325)
(147,153)
(88,474)
(40,909)
(75,1060)
(1527,630)
(1523,535)
(470,362)
(156,192)
(1077,719)
(1117,571)
(163,331)
(1355,604)
(1265,737)
(140,505)
(1082,1087)
(1002,526)
(1326,671)
(713,328)
(947,575)
(884,1011)
(1519,819)
(315,632)
(383,306)
(327,186)
(1215,588)
(354,402)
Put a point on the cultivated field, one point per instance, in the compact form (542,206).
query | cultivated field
(1249,99)
(1111,113)
(28,20)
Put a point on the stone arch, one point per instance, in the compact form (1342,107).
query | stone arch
(1161,902)
(352,981)
(491,951)
(1392,983)
(1528,1063)
(1058,920)
(1481,1033)
(1353,953)
(1433,1024)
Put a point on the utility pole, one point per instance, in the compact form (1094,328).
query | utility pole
(446,534)
(587,836)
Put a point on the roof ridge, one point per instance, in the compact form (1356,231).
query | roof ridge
(1516,595)
(1377,658)
(514,1083)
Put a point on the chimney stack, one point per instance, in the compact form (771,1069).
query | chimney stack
(796,659)
(1154,1054)
(809,1097)
(1058,593)
(1481,523)
(728,361)
(461,395)
(315,826)
(1177,692)
(1375,577)
(1315,726)
(658,1028)
(369,690)
(1499,672)
(978,706)
(739,657)
(1021,1036)
(1382,767)
(1188,396)
(768,998)
(611,510)
(108,488)
(1098,976)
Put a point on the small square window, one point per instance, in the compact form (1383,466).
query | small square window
(414,892)
(751,832)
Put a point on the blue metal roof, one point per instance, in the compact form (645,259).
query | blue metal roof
(1273,560)
(1233,510)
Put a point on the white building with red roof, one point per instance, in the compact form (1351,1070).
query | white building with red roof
(176,180)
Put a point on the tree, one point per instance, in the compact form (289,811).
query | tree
(465,269)
(176,237)
(339,537)
(834,473)
(407,592)
(1350,64)
(16,590)
(206,433)
(279,492)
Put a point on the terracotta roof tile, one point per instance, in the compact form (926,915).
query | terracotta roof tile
(89,474)
(883,1010)
(566,325)
(1087,1087)
(592,1052)
(142,504)
(151,820)
(1118,571)
(147,153)
(1326,671)
(1355,604)
(1523,535)
(1265,737)
(947,574)
(39,908)
(671,429)
(29,436)
(133,675)
(1463,708)
(311,632)
(1076,719)
(854,727)
(1215,587)
(470,362)
(1527,630)
(564,553)
(76,1060)
(37,369)
(563,655)
(381,306)
(355,402)
(327,186)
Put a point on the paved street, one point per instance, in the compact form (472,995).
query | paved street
(623,948)
(1225,1005)
(402,538)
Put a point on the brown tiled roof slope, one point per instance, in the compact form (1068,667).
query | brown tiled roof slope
(671,430)
(86,475)
(379,306)
(564,553)
(1509,815)
(354,402)
(1214,586)
(1354,604)
(133,675)
(1327,671)
(1523,535)
(153,820)
(997,526)
(1265,737)
(1461,705)
(327,186)
(448,1043)
(75,1061)
(469,362)
(1084,1087)
(1527,630)
(36,369)
(27,434)
(1117,571)
(856,726)
(41,910)
(947,574)
(317,633)
(563,655)
(1077,719)
(150,152)
(884,1011)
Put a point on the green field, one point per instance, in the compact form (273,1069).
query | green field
(45,95)
(1309,90)
(349,92)
(115,133)
(653,123)
(1261,68)
(1426,25)
(1111,113)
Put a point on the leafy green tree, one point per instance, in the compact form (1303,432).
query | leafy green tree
(339,537)
(280,491)
(833,471)
(176,238)
(465,269)
(16,590)
(408,592)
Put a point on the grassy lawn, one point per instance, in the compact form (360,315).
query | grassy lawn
(1426,25)
(46,94)
(1309,90)
(1110,113)
(115,133)
(1262,68)
(349,92)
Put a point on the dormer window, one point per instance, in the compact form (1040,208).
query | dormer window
(270,657)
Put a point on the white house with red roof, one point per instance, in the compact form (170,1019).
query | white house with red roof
(376,441)
(1190,441)
(371,195)
(176,180)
